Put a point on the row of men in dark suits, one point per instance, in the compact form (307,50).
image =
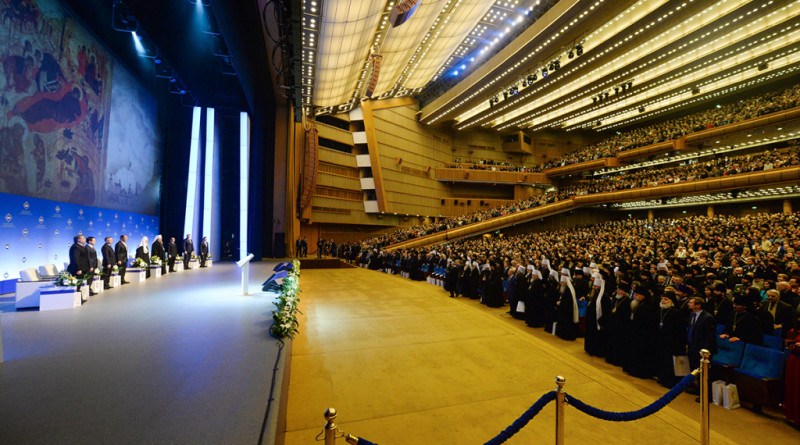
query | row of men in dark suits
(83,259)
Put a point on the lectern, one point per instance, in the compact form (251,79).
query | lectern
(244,264)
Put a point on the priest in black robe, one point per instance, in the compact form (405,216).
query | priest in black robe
(671,339)
(642,334)
(567,318)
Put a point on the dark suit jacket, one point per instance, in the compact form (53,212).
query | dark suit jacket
(78,259)
(109,257)
(158,250)
(784,315)
(121,251)
(203,248)
(92,256)
(188,246)
(703,335)
(172,249)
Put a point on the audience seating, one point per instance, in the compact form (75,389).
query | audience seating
(759,379)
(729,356)
(773,342)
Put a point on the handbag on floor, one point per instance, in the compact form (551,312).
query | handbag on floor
(521,307)
(730,397)
(680,365)
(717,389)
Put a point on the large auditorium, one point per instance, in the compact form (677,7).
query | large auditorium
(400,222)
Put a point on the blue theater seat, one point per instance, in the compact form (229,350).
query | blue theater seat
(728,354)
(759,379)
(773,342)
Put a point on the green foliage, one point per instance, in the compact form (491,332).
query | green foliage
(284,318)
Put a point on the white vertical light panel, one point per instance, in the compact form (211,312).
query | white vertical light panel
(244,167)
(191,180)
(208,180)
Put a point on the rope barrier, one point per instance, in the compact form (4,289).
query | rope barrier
(633,415)
(523,419)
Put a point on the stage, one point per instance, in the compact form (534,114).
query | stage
(180,359)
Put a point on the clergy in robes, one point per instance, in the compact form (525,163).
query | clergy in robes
(143,252)
(535,300)
(461,280)
(451,277)
(616,323)
(511,291)
(474,281)
(567,318)
(594,312)
(159,252)
(743,324)
(642,334)
(520,288)
(551,297)
(494,287)
(671,339)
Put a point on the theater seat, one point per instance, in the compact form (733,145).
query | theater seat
(728,356)
(759,379)
(773,342)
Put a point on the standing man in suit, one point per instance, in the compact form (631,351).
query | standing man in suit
(782,312)
(298,246)
(121,253)
(320,247)
(172,253)
(702,331)
(188,250)
(203,251)
(109,260)
(304,247)
(79,258)
(157,251)
(90,242)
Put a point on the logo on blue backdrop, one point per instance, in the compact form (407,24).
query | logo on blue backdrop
(41,220)
(58,209)
(69,221)
(55,257)
(25,232)
(56,232)
(24,259)
(80,212)
(91,224)
(7,246)
(8,218)
(25,205)
(40,245)
(5,275)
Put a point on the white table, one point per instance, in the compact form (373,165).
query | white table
(135,275)
(53,298)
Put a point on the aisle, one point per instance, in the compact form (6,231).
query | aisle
(403,363)
(180,359)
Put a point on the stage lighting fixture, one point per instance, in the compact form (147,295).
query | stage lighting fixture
(605,95)
(162,69)
(594,100)
(531,78)
(491,103)
(570,55)
(122,18)
(544,72)
(176,86)
(505,95)
(557,64)
(641,109)
(551,67)
(579,49)
(616,90)
(630,85)
(534,77)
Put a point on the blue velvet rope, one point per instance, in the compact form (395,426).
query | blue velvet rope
(523,420)
(365,442)
(633,415)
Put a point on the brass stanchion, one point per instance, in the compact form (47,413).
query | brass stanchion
(705,421)
(560,396)
(330,426)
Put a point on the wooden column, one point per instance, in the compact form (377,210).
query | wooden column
(787,206)
(710,211)
(650,215)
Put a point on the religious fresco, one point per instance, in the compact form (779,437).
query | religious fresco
(56,104)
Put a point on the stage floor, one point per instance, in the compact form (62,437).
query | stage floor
(403,363)
(180,359)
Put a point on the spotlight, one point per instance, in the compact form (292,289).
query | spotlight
(605,95)
(557,64)
(579,49)
(505,95)
(122,18)
(630,85)
(616,90)
(531,78)
(534,77)
(641,109)
(491,103)
(570,55)
(544,72)
(551,67)
(594,100)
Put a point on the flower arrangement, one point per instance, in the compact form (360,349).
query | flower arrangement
(115,269)
(156,261)
(284,318)
(195,257)
(139,263)
(67,279)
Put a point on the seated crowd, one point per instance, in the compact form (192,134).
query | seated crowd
(651,289)
(675,128)
(490,165)
(84,262)
(726,166)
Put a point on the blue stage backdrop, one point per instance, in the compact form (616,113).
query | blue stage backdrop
(35,232)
